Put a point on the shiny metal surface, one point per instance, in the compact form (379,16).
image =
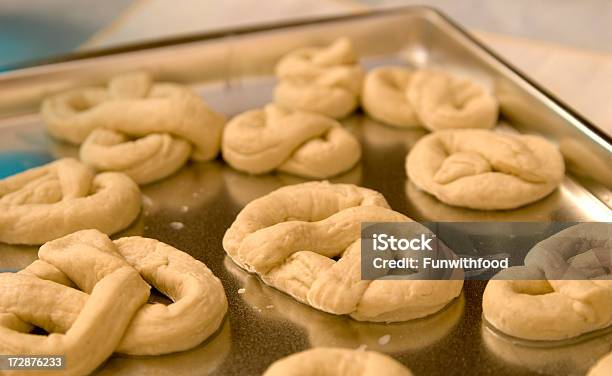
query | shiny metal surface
(232,74)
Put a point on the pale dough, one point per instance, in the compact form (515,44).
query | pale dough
(582,251)
(325,80)
(64,196)
(147,130)
(199,302)
(110,293)
(442,101)
(482,169)
(145,160)
(384,96)
(297,142)
(526,302)
(75,288)
(290,236)
(330,361)
(603,367)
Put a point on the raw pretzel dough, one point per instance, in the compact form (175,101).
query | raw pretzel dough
(147,130)
(442,101)
(603,367)
(64,196)
(526,302)
(384,96)
(482,169)
(145,160)
(110,293)
(332,361)
(199,300)
(582,251)
(289,236)
(296,142)
(88,287)
(324,80)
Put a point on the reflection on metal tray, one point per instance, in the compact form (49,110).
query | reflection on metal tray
(232,72)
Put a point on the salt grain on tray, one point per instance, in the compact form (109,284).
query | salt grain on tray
(177,225)
(384,339)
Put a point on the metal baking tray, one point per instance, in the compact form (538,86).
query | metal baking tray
(233,71)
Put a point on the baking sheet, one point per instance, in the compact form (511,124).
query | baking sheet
(263,324)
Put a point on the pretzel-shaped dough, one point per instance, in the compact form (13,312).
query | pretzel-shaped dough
(289,236)
(481,169)
(112,292)
(384,96)
(538,308)
(147,130)
(582,251)
(324,80)
(443,102)
(603,367)
(297,142)
(145,160)
(331,361)
(64,196)
(83,259)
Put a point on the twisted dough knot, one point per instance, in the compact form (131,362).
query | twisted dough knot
(539,307)
(481,169)
(323,80)
(90,293)
(442,101)
(64,196)
(297,142)
(290,236)
(147,130)
(330,361)
(582,251)
(384,96)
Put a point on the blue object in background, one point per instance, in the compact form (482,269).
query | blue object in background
(24,38)
(38,29)
(13,162)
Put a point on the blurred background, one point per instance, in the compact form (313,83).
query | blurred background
(40,28)
(566,45)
